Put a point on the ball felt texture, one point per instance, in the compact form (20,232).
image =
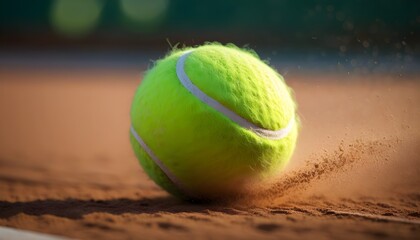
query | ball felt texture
(207,152)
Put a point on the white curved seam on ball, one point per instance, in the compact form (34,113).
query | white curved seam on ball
(187,83)
(158,162)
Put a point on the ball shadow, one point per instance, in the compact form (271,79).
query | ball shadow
(76,209)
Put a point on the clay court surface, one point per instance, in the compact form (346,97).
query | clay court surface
(67,168)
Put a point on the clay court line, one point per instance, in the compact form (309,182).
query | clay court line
(12,233)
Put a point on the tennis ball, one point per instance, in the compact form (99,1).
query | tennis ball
(210,121)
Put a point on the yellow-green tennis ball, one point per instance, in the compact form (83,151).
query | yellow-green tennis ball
(208,121)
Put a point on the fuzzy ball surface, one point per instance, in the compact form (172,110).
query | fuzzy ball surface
(194,147)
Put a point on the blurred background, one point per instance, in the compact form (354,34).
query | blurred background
(69,68)
(351,35)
